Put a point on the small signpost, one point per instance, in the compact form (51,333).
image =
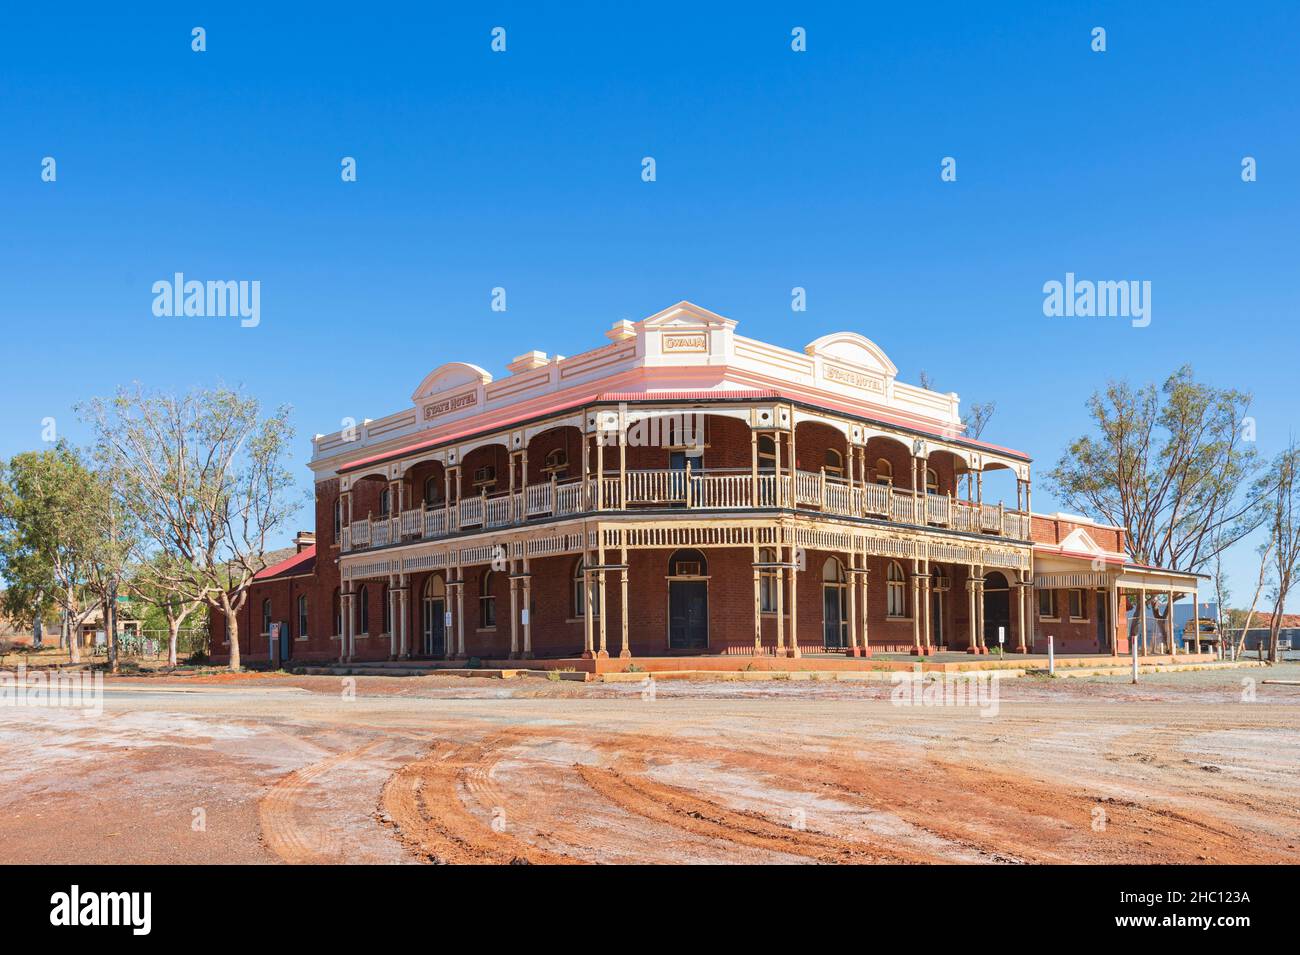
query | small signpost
(1002,639)
(1134,644)
(1051,654)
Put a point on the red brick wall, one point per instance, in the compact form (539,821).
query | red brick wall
(557,632)
(899,458)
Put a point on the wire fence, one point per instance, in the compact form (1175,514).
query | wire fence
(152,644)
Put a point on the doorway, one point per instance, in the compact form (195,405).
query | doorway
(1103,622)
(835,624)
(997,609)
(434,628)
(688,601)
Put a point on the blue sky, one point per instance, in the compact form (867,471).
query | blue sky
(522,170)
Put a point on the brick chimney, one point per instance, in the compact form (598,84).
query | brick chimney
(304,540)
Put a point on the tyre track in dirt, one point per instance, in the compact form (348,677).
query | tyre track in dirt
(947,804)
(287,830)
(422,803)
(681,809)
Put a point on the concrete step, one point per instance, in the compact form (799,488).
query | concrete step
(487,673)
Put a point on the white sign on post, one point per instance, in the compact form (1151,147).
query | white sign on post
(1002,634)
(446,619)
(523,616)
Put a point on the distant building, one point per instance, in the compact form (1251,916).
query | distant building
(1261,625)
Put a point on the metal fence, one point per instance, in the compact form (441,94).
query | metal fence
(152,644)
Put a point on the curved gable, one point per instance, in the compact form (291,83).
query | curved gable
(853,349)
(454,374)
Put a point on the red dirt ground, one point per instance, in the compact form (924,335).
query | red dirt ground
(446,769)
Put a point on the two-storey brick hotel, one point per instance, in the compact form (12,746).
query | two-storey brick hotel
(683,490)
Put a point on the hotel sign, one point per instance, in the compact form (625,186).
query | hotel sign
(680,342)
(854,379)
(447,405)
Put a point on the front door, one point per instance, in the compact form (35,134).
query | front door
(833,617)
(997,616)
(434,644)
(1103,623)
(688,614)
(936,618)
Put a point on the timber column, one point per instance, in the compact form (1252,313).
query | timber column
(974,644)
(460,613)
(865,576)
(916,600)
(625,650)
(405,613)
(514,611)
(528,609)
(392,617)
(1021,588)
(794,602)
(853,596)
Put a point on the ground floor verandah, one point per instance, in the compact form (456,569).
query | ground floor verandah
(786,591)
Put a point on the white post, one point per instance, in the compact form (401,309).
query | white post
(1133,644)
(1051,654)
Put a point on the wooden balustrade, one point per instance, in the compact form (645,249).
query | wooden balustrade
(713,490)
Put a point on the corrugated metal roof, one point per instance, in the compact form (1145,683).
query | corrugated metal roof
(302,562)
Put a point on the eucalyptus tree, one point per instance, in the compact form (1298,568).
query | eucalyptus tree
(203,474)
(51,519)
(1172,466)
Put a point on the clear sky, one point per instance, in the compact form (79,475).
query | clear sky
(522,169)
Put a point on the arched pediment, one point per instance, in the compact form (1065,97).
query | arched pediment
(454,374)
(853,349)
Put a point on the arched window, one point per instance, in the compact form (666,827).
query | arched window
(388,610)
(766,452)
(485,478)
(487,601)
(687,563)
(432,491)
(302,615)
(895,591)
(385,501)
(338,613)
(931,481)
(363,612)
(767,580)
(832,571)
(884,472)
(834,463)
(556,463)
(266,616)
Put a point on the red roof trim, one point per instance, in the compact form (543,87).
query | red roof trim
(738,395)
(297,560)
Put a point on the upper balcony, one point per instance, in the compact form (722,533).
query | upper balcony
(684,490)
